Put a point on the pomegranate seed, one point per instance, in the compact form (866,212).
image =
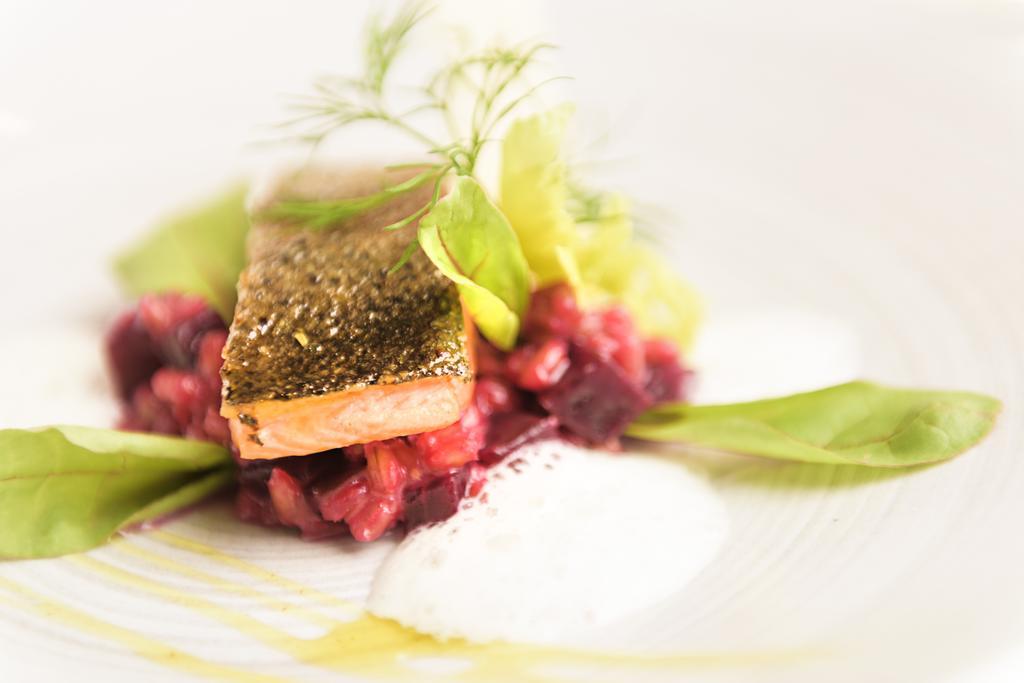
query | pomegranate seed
(538,368)
(489,360)
(452,446)
(209,359)
(293,509)
(552,312)
(372,520)
(666,378)
(252,504)
(148,413)
(383,469)
(215,427)
(161,313)
(611,334)
(339,502)
(495,395)
(130,355)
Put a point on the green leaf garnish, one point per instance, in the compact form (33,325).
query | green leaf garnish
(201,252)
(471,242)
(68,489)
(858,423)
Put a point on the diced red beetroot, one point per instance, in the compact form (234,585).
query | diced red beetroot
(438,500)
(130,356)
(536,368)
(595,398)
(552,313)
(666,378)
(293,509)
(509,432)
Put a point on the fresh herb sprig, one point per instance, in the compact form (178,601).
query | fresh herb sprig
(490,83)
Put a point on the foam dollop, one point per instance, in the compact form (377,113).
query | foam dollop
(563,540)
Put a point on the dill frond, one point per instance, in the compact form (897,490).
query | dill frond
(493,80)
(386,40)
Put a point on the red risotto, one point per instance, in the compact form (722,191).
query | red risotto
(578,375)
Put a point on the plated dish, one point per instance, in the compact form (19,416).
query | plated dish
(580,334)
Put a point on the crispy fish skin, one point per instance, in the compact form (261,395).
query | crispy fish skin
(326,348)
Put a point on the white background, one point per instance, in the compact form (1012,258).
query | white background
(799,150)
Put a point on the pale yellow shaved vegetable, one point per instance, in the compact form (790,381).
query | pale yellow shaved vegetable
(600,257)
(534,192)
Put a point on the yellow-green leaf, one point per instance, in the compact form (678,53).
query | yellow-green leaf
(534,192)
(471,242)
(598,255)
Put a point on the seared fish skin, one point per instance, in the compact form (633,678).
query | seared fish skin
(327,349)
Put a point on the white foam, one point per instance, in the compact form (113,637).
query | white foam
(565,540)
(751,355)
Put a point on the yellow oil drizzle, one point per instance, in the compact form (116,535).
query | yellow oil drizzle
(147,648)
(380,648)
(284,607)
(253,570)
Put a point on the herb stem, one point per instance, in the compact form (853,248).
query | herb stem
(480,82)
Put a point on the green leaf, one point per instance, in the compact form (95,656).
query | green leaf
(858,423)
(68,489)
(191,493)
(471,242)
(199,252)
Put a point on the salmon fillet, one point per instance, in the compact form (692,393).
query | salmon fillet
(327,349)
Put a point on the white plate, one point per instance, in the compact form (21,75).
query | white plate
(859,161)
